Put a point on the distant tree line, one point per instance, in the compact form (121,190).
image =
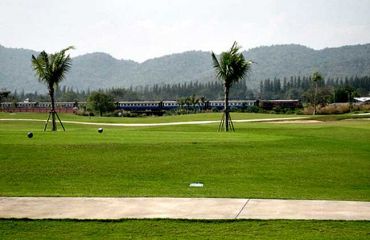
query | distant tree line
(209,90)
(298,87)
(339,89)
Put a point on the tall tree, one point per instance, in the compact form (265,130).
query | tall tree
(316,77)
(101,102)
(51,70)
(3,94)
(231,68)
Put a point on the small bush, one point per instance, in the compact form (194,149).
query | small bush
(335,108)
(361,107)
(82,112)
(131,114)
(252,109)
(115,113)
(308,110)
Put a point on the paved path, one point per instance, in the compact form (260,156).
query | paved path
(160,124)
(180,208)
(282,120)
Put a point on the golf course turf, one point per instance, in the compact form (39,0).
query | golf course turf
(260,160)
(183,229)
(327,160)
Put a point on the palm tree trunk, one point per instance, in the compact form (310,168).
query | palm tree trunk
(226,109)
(51,93)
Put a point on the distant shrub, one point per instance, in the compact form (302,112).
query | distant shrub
(182,111)
(335,108)
(292,111)
(82,112)
(115,113)
(361,107)
(338,108)
(251,109)
(299,112)
(308,110)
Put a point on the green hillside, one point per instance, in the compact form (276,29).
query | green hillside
(100,70)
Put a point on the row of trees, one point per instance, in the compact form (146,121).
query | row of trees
(210,90)
(314,92)
(298,87)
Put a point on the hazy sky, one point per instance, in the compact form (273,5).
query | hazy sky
(142,29)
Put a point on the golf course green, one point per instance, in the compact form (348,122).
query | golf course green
(322,160)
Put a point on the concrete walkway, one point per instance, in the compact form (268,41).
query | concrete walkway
(180,208)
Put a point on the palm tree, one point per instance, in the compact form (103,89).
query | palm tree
(187,103)
(3,94)
(51,69)
(181,103)
(202,102)
(194,101)
(350,92)
(316,77)
(231,68)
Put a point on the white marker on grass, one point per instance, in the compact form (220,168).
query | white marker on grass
(196,184)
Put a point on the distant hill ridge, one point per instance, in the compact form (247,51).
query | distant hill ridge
(100,70)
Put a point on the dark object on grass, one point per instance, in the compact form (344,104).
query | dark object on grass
(100,130)
(29,134)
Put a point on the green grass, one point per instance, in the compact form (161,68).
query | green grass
(147,119)
(182,229)
(294,161)
(329,160)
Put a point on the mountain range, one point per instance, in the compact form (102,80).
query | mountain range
(100,70)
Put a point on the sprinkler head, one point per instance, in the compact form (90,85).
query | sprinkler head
(29,134)
(100,130)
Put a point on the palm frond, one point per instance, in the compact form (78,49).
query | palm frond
(51,68)
(65,50)
(216,64)
(40,65)
(221,72)
(232,65)
(316,76)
